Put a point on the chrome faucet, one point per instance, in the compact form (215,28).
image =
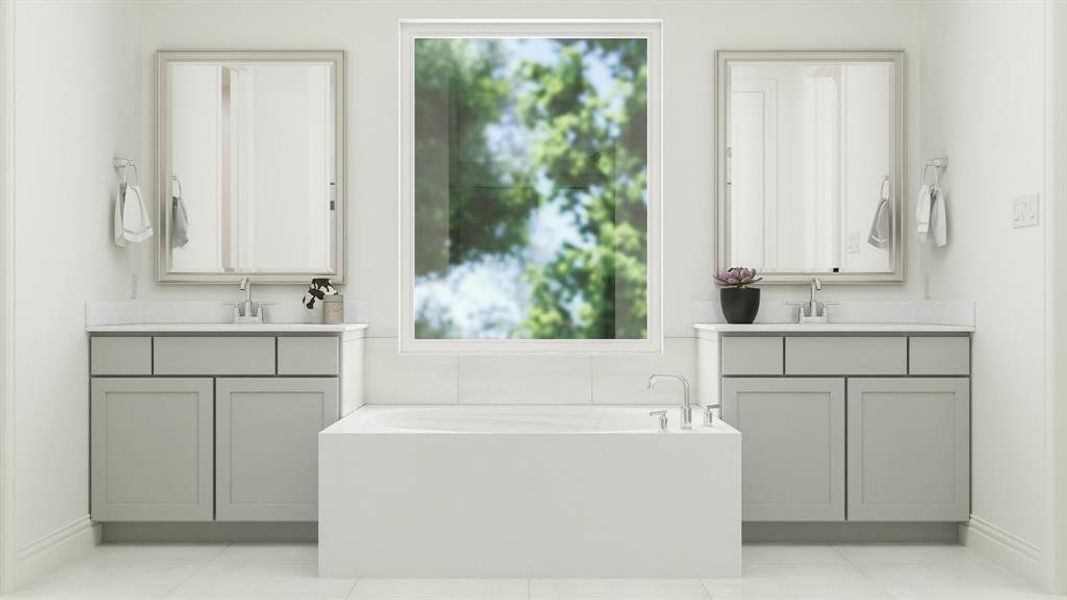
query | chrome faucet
(813,310)
(687,408)
(247,311)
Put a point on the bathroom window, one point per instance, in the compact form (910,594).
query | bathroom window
(530,186)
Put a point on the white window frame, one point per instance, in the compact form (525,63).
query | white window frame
(649,29)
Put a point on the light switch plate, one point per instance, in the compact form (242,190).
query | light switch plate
(1024,211)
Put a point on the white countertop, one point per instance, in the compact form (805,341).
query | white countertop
(832,328)
(227,328)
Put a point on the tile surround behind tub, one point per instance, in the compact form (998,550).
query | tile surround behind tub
(392,378)
(623,379)
(525,379)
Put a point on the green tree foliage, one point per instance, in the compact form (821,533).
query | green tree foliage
(482,209)
(586,151)
(594,154)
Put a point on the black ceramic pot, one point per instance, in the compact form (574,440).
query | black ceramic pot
(739,305)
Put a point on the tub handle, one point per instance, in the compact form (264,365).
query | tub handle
(662,414)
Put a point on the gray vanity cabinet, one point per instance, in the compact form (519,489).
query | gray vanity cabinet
(220,427)
(901,401)
(152,449)
(266,446)
(908,449)
(793,446)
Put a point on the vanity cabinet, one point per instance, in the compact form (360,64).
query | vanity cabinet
(215,427)
(792,446)
(846,427)
(152,447)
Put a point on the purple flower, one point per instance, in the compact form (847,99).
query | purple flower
(737,277)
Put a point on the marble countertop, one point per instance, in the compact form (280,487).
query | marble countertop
(227,328)
(833,328)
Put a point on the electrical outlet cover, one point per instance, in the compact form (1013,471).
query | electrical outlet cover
(852,246)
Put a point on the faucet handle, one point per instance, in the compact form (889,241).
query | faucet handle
(662,414)
(709,414)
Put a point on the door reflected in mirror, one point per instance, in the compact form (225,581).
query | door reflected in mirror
(250,150)
(810,178)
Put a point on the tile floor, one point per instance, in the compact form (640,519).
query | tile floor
(857,572)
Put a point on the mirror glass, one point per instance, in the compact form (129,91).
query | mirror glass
(250,156)
(811,160)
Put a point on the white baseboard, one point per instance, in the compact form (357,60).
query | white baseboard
(1007,550)
(55,549)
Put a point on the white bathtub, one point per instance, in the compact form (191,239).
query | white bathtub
(527,491)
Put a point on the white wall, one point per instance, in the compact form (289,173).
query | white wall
(7,234)
(368,31)
(75,105)
(983,100)
(1055,554)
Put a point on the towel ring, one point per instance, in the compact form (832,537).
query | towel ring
(178,182)
(884,192)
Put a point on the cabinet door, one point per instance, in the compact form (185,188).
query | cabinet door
(908,444)
(151,449)
(793,446)
(267,446)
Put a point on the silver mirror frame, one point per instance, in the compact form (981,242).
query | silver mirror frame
(723,59)
(337,60)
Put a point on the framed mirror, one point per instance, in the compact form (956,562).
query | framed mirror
(811,164)
(250,167)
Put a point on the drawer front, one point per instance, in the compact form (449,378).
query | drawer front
(939,356)
(214,355)
(751,356)
(308,356)
(120,355)
(846,355)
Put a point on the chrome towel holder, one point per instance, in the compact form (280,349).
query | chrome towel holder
(123,165)
(939,164)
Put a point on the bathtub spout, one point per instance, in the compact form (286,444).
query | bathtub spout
(687,408)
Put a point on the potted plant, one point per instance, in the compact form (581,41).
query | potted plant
(740,303)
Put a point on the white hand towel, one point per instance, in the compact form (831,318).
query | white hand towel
(116,217)
(922,213)
(132,224)
(938,221)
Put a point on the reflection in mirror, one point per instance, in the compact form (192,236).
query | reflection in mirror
(812,159)
(249,153)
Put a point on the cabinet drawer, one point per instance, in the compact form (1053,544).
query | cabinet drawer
(939,356)
(308,356)
(120,355)
(846,355)
(229,355)
(752,356)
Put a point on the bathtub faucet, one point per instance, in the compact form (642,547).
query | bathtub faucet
(687,408)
